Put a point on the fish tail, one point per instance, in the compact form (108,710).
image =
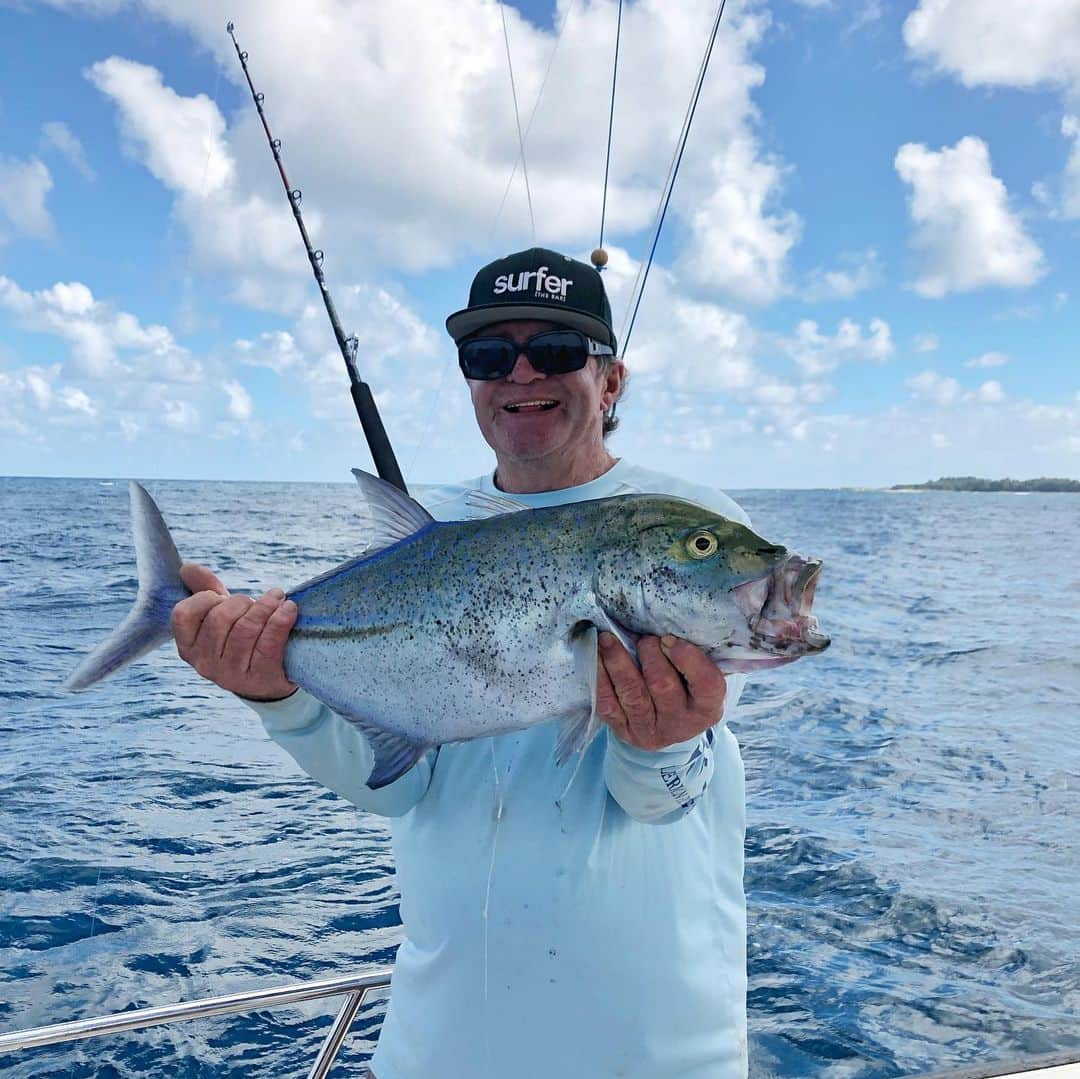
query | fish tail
(149,622)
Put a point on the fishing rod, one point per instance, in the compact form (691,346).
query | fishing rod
(382,452)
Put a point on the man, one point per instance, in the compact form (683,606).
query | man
(602,934)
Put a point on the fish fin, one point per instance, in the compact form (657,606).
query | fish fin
(391,515)
(605,623)
(394,753)
(576,732)
(481,504)
(149,622)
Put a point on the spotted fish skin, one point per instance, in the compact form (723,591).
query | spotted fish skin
(442,632)
(472,623)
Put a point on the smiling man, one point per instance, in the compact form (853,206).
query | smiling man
(597,934)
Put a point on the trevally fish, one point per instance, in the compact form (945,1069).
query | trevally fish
(441,632)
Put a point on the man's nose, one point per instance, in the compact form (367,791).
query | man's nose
(523,371)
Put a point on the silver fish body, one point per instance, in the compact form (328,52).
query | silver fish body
(442,632)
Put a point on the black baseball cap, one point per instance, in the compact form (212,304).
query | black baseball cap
(539,284)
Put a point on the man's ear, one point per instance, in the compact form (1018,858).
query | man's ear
(613,375)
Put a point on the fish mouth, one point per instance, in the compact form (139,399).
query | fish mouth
(778,608)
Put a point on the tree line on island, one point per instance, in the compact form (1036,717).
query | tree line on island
(974,483)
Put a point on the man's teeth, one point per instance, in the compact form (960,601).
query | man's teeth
(543,403)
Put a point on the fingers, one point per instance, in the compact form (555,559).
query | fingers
(269,653)
(607,704)
(243,633)
(630,705)
(704,682)
(199,579)
(188,616)
(237,642)
(662,677)
(677,693)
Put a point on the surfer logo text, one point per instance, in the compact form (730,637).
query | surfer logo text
(551,285)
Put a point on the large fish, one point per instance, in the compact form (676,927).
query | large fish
(441,632)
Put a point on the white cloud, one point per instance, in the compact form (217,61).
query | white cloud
(935,388)
(926,342)
(412,179)
(990,393)
(179,139)
(23,188)
(77,400)
(861,271)
(739,245)
(943,391)
(996,43)
(816,353)
(241,407)
(988,359)
(963,227)
(181,415)
(275,349)
(104,343)
(59,136)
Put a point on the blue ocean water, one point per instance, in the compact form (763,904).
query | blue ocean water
(913,794)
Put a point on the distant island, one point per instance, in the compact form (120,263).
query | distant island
(973,483)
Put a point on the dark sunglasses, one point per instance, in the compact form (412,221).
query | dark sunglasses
(553,352)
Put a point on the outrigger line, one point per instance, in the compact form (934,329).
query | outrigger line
(382,452)
(669,186)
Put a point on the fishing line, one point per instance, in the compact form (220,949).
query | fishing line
(93,926)
(532,116)
(611,122)
(517,118)
(487,895)
(669,186)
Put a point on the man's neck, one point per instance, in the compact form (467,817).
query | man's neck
(531,477)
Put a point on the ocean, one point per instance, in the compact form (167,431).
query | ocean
(913,846)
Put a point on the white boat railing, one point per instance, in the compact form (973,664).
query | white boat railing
(354,988)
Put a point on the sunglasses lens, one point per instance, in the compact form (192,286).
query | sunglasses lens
(487,358)
(558,352)
(554,352)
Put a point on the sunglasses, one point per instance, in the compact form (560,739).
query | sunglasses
(553,352)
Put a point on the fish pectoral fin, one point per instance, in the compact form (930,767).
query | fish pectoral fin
(481,504)
(394,753)
(577,731)
(605,623)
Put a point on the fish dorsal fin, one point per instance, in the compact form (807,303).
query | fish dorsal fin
(481,504)
(389,514)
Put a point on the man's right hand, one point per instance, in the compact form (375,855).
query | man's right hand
(235,641)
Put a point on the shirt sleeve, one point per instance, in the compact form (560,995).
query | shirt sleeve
(662,786)
(335,752)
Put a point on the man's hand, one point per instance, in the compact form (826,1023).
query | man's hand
(655,707)
(234,641)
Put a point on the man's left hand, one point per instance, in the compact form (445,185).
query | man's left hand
(676,695)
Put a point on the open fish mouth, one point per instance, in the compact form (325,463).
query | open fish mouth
(777,608)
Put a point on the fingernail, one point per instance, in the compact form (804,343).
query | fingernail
(667,642)
(276,593)
(289,606)
(607,640)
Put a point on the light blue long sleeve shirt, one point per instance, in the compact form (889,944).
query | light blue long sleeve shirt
(603,935)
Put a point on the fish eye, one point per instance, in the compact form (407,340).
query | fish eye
(702,544)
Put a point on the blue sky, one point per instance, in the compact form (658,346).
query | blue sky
(869,273)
